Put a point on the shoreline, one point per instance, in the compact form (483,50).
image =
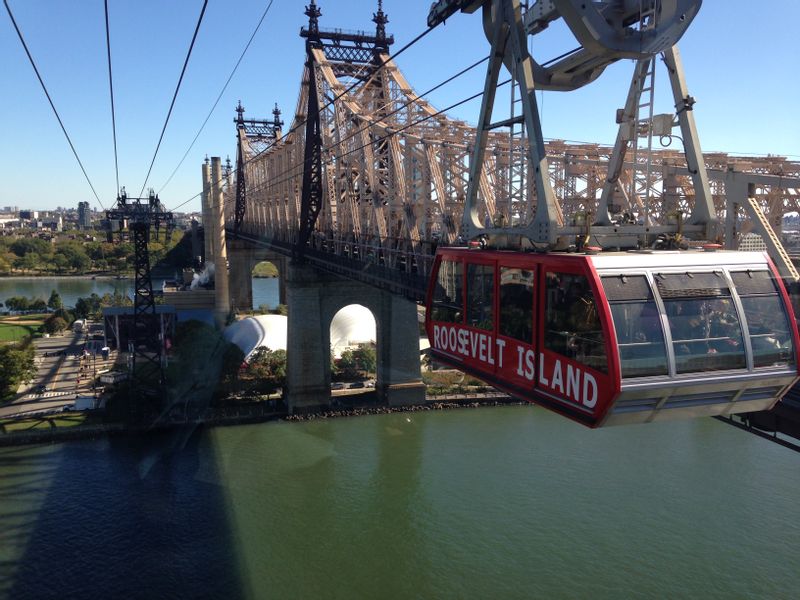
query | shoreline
(103,276)
(452,402)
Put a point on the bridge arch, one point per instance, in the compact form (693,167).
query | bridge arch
(242,260)
(314,298)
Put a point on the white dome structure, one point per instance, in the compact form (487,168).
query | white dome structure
(351,326)
(252,332)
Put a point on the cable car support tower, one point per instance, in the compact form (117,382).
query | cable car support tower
(141,214)
(606,32)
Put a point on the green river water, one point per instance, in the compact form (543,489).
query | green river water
(509,502)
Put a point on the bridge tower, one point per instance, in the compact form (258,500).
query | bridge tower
(313,296)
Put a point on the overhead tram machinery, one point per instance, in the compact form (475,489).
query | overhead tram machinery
(606,316)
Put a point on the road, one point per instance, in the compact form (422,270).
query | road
(63,375)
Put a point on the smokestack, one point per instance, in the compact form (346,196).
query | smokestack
(222,302)
(205,201)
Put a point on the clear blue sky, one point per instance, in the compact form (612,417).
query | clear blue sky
(740,59)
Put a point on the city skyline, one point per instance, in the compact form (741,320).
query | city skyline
(744,100)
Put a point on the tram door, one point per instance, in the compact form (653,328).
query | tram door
(480,314)
(516,323)
(574,363)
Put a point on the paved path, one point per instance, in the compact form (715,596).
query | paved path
(62,369)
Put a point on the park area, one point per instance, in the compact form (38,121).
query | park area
(16,328)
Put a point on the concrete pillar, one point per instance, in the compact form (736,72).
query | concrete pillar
(205,203)
(313,298)
(222,303)
(282,263)
(308,371)
(241,279)
(398,378)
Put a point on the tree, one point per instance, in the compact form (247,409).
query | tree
(357,362)
(37,304)
(24,246)
(18,303)
(366,358)
(16,367)
(60,263)
(268,368)
(55,301)
(88,307)
(54,324)
(5,265)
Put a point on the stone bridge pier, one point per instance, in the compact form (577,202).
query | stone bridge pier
(313,298)
(242,258)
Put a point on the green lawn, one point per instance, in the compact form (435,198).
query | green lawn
(10,332)
(37,423)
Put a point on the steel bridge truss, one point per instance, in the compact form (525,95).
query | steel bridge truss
(377,176)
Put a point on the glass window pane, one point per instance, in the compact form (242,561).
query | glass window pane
(706,334)
(572,324)
(684,285)
(770,336)
(642,350)
(516,304)
(448,299)
(480,287)
(754,282)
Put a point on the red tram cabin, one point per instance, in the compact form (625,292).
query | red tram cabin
(621,337)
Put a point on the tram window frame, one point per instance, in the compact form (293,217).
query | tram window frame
(516,326)
(755,300)
(691,314)
(480,309)
(446,309)
(640,337)
(589,348)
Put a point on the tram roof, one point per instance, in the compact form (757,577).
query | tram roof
(638,259)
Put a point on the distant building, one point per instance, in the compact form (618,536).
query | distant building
(28,215)
(84,216)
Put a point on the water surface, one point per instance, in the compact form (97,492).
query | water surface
(488,503)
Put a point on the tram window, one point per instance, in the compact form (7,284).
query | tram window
(642,351)
(572,324)
(448,299)
(706,331)
(516,304)
(480,296)
(767,322)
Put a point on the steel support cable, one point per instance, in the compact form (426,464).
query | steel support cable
(398,109)
(268,185)
(446,81)
(382,65)
(414,99)
(348,90)
(50,100)
(219,97)
(175,95)
(111,91)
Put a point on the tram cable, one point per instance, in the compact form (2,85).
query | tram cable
(111,91)
(50,100)
(175,95)
(219,97)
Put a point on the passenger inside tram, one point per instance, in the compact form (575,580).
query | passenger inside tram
(573,326)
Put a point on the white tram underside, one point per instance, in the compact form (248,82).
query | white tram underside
(698,334)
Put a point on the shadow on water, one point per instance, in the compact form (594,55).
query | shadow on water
(119,517)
